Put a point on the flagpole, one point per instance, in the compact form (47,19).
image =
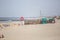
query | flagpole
(40,14)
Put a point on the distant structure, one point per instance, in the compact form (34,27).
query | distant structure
(40,14)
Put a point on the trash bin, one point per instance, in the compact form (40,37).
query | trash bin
(44,20)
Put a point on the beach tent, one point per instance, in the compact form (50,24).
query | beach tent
(44,20)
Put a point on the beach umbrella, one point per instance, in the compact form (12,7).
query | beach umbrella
(22,18)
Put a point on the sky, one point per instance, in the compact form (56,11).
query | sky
(29,8)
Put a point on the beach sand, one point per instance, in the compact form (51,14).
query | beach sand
(33,32)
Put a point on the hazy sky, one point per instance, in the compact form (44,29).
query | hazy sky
(29,8)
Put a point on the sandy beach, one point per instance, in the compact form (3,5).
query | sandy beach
(33,32)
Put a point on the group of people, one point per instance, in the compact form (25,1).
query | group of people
(44,20)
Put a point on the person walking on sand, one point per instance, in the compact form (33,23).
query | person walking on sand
(22,20)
